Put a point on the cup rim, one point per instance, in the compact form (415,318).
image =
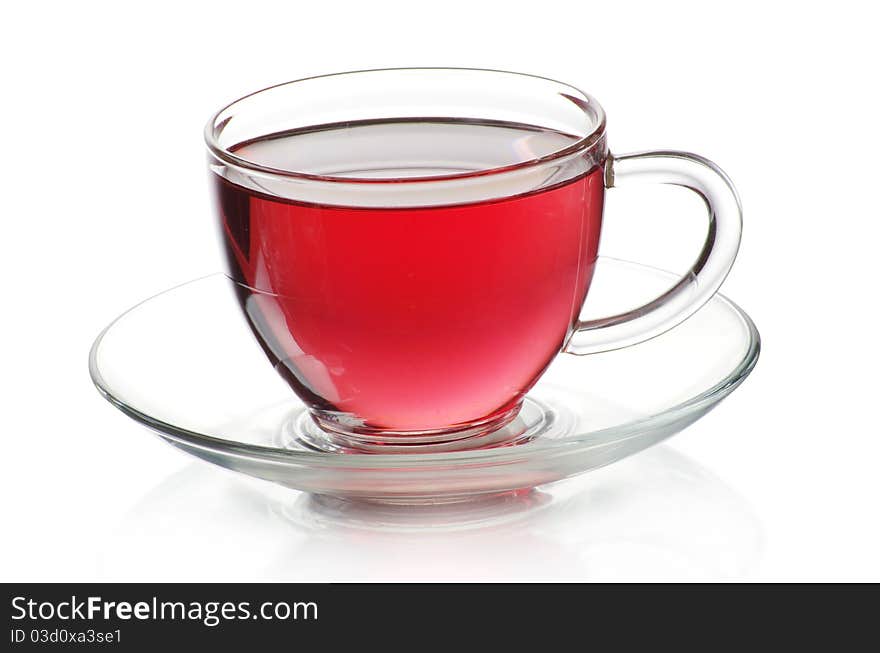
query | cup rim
(583,144)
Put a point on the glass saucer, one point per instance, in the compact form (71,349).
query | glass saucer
(185,364)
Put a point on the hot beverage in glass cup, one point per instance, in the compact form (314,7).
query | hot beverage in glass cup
(412,247)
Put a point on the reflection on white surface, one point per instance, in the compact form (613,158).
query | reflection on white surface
(655,516)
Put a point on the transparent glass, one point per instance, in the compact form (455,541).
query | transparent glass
(412,248)
(202,385)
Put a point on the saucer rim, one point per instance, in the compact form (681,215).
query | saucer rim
(502,455)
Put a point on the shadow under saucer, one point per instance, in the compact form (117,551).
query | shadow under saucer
(655,516)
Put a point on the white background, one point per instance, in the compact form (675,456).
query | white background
(105,203)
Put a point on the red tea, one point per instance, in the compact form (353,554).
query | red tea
(405,318)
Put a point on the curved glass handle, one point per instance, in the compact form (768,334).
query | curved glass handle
(705,276)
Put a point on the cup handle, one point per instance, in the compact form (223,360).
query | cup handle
(705,276)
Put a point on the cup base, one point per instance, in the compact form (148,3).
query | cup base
(521,423)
